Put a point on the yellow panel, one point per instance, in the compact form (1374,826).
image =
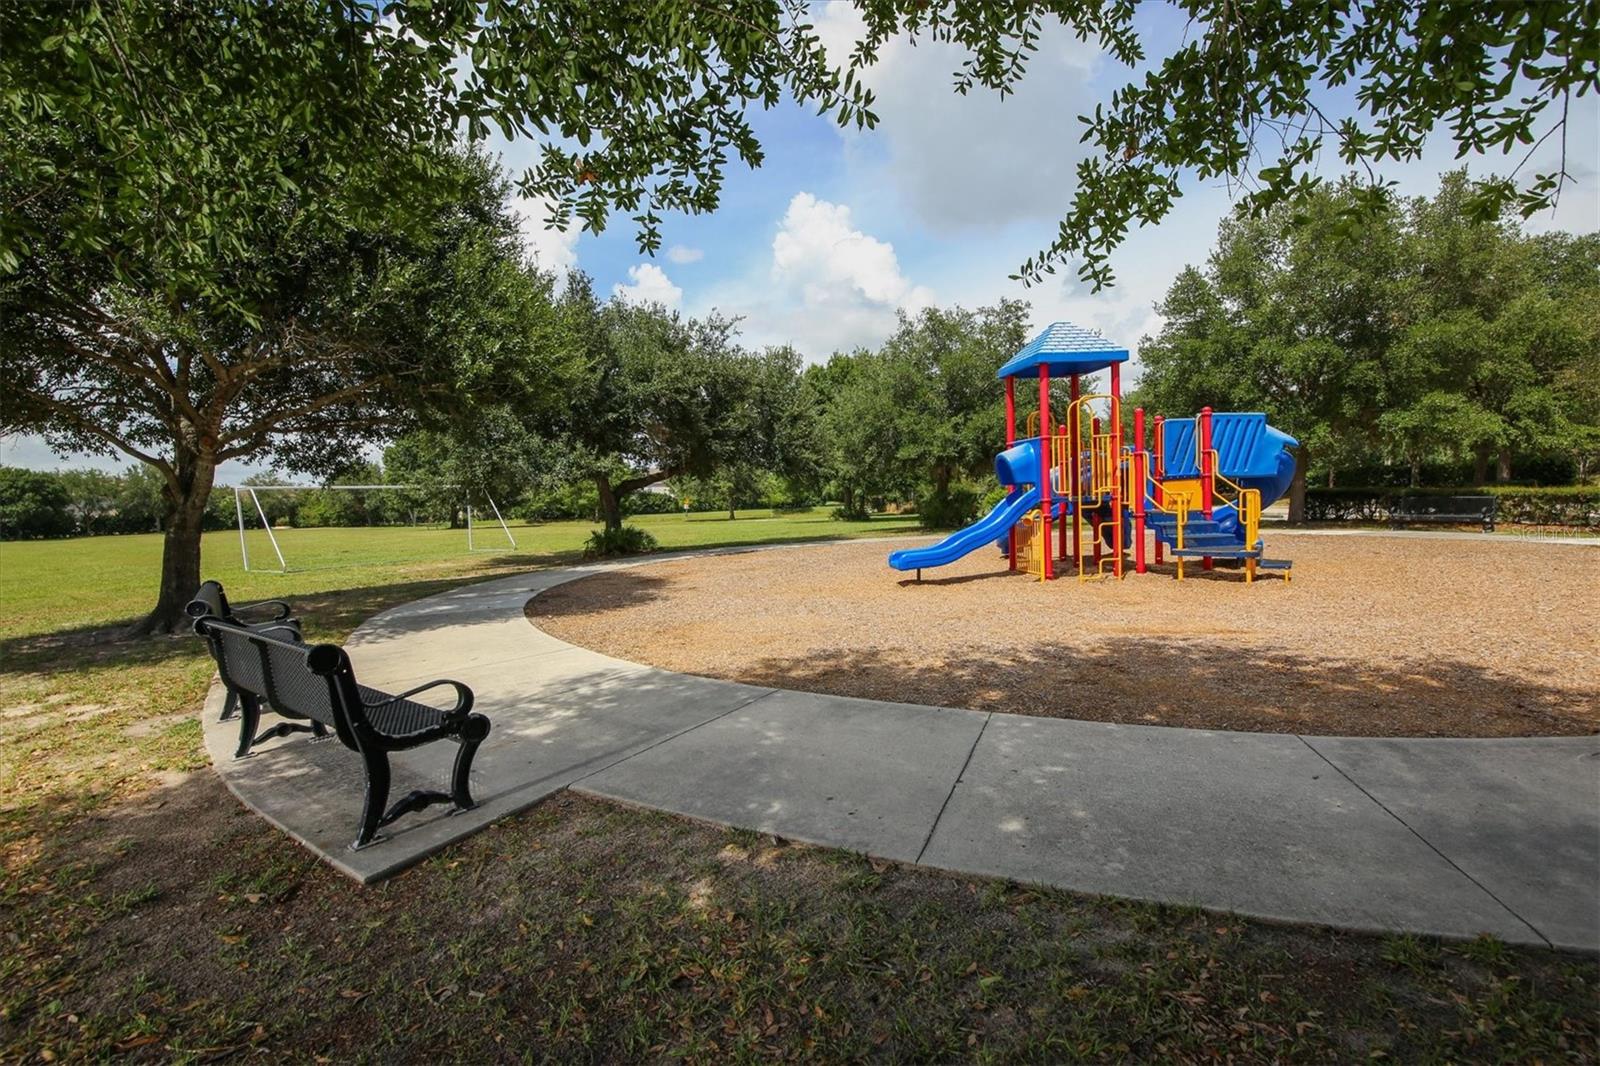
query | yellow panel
(1187,486)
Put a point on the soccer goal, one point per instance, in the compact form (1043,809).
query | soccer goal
(241,511)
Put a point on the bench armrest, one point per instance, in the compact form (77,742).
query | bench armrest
(463,696)
(281,608)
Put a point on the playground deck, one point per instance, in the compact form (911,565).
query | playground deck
(1377,636)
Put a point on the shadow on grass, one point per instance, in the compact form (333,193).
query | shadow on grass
(181,926)
(1153,681)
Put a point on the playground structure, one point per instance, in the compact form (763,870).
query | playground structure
(1197,491)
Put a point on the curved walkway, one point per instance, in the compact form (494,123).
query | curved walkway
(1450,837)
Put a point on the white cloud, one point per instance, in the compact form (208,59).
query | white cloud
(650,286)
(553,249)
(819,250)
(682,254)
(829,286)
(979,159)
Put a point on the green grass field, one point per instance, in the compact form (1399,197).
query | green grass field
(50,585)
(149,916)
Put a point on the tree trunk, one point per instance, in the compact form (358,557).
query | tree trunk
(180,545)
(1503,465)
(848,499)
(1297,487)
(1480,466)
(610,505)
(1416,472)
(1330,477)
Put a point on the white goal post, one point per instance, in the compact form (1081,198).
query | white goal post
(240,491)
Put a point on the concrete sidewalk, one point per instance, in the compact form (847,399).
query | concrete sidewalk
(1450,837)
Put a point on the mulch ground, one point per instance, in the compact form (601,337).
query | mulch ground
(1375,636)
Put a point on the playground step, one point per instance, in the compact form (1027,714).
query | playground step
(1209,540)
(1220,552)
(1193,525)
(1274,564)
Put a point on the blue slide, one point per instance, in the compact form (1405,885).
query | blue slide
(1018,465)
(986,530)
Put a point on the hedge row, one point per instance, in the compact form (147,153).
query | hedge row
(1574,506)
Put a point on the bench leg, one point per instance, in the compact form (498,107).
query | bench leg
(249,719)
(372,808)
(472,734)
(230,705)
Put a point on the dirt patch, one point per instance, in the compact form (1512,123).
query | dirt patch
(1376,636)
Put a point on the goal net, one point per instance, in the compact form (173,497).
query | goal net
(481,535)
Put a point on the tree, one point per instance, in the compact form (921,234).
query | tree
(641,104)
(32,504)
(662,397)
(91,498)
(494,456)
(350,334)
(860,429)
(943,366)
(1292,316)
(1416,335)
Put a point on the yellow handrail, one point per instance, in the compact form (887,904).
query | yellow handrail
(1179,506)
(1100,457)
(1247,508)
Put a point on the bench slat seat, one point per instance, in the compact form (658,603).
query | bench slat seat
(317,682)
(400,717)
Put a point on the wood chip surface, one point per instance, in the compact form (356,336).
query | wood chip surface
(1375,636)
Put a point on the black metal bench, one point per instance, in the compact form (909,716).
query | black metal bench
(210,601)
(317,682)
(1448,510)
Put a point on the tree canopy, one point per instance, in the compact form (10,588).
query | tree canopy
(923,411)
(1424,333)
(354,335)
(657,396)
(167,131)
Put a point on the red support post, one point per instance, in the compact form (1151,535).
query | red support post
(1139,476)
(1119,498)
(1207,474)
(1011,438)
(1159,444)
(1075,462)
(1044,471)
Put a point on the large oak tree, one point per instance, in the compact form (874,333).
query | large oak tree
(352,336)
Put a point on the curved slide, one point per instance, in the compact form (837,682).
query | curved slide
(988,529)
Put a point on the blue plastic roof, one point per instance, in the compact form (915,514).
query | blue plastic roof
(1065,349)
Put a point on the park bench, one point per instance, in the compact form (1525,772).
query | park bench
(211,601)
(1449,510)
(317,682)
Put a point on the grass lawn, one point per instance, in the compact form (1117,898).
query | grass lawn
(147,913)
(50,585)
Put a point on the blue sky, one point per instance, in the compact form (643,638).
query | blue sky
(839,229)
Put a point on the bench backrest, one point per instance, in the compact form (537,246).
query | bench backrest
(1445,505)
(210,600)
(312,680)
